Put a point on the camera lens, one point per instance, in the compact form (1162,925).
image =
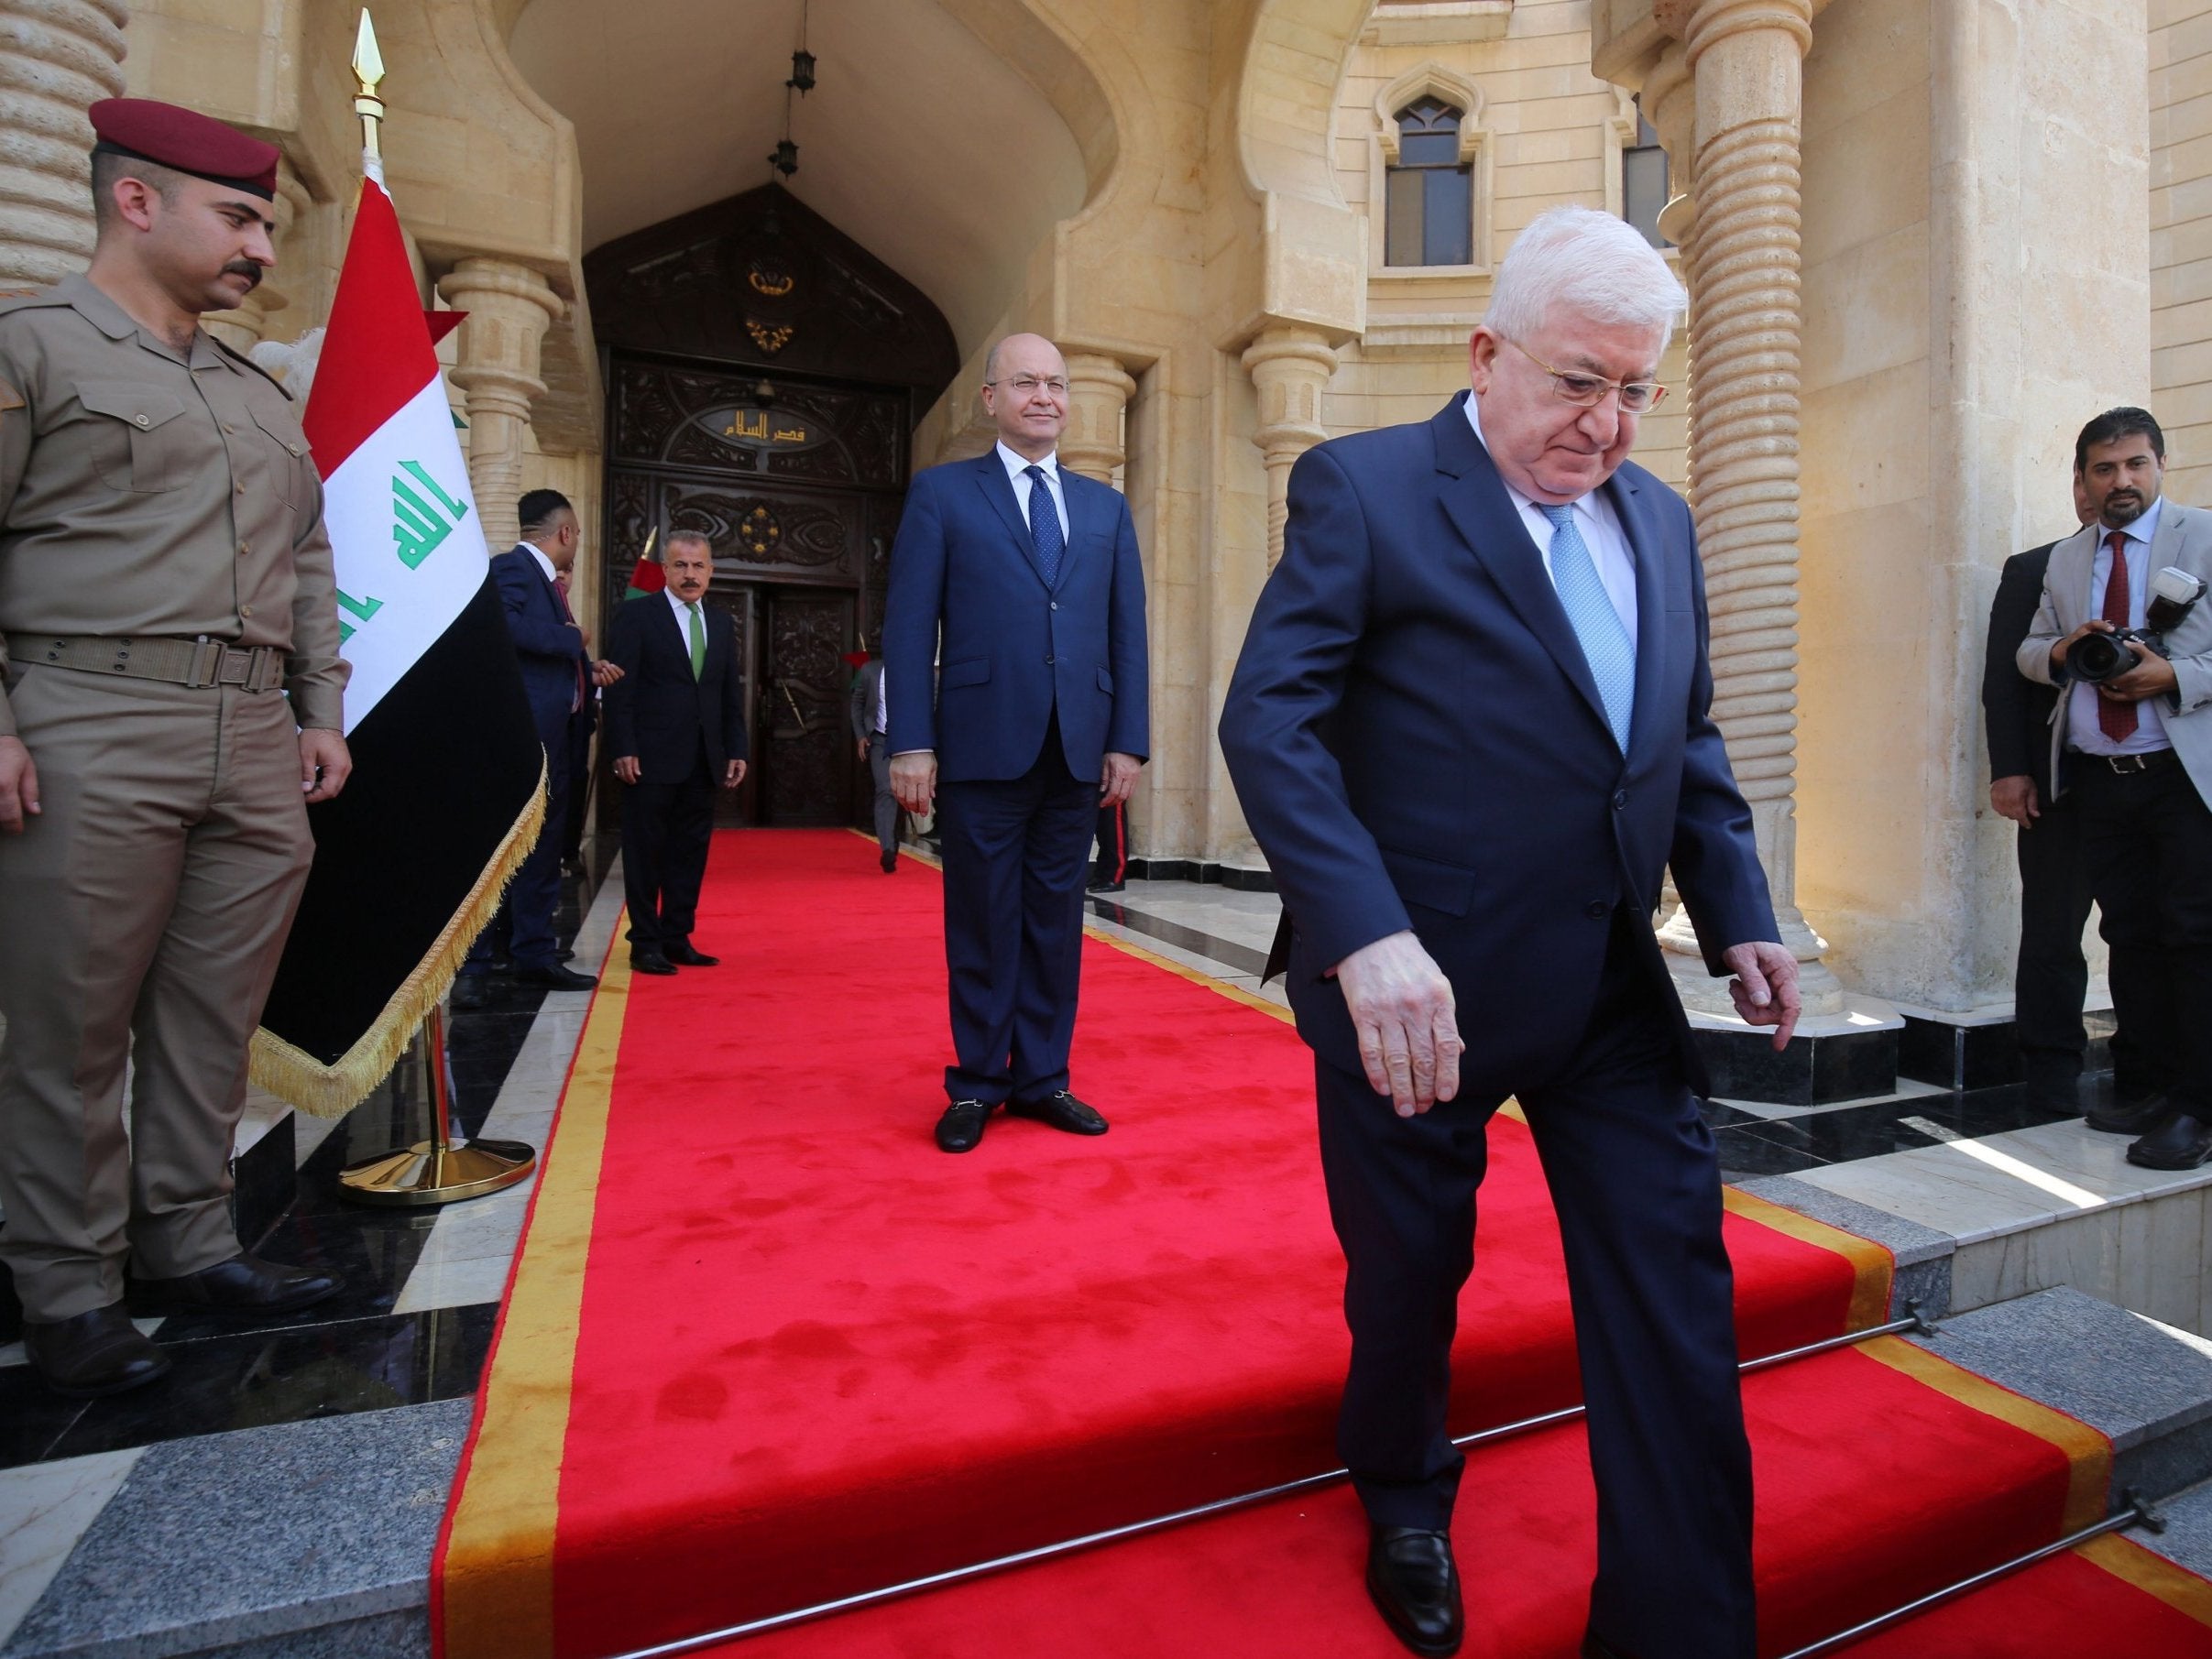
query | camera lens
(2097,658)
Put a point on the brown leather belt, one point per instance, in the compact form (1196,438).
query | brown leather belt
(198,663)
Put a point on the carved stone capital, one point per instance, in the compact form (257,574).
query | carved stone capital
(57,59)
(1290,366)
(1099,390)
(509,307)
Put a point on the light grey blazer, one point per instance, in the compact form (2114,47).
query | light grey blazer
(2184,538)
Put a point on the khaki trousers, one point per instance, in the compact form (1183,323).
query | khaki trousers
(141,918)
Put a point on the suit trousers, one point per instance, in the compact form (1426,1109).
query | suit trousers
(533,898)
(1636,1183)
(1015,851)
(666,831)
(2148,839)
(580,726)
(2053,978)
(145,910)
(886,804)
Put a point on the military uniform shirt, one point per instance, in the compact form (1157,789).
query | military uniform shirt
(143,495)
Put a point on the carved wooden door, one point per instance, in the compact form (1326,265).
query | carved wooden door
(804,736)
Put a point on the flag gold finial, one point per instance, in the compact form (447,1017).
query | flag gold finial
(368,70)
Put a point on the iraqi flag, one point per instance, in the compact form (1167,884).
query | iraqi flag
(447,792)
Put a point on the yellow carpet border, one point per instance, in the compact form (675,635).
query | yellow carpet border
(497,1588)
(1873,1266)
(2153,1573)
(2088,1453)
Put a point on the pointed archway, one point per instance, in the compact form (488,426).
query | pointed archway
(764,373)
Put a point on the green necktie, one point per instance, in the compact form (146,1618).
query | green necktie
(698,641)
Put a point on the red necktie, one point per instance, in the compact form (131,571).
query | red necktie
(575,703)
(2118,719)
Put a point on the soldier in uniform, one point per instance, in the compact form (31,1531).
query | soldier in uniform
(170,700)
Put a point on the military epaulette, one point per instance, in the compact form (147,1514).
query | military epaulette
(238,356)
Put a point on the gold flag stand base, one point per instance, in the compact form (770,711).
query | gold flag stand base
(436,1171)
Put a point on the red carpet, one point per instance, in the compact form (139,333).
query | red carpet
(1873,1488)
(780,1349)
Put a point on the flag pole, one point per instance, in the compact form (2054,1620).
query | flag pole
(434,1170)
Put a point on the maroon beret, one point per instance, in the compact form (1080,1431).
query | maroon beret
(143,130)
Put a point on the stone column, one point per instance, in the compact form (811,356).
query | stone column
(57,59)
(1290,365)
(1099,390)
(1745,59)
(510,306)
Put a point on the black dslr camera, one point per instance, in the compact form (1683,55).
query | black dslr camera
(2097,658)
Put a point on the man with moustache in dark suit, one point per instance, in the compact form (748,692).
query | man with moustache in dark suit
(676,723)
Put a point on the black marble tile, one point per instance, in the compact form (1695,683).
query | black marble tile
(1813,1070)
(325,1371)
(1242,958)
(1719,1116)
(265,1180)
(1840,1137)
(32,1416)
(1746,1154)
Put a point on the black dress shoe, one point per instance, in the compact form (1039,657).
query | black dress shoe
(470,992)
(1062,1111)
(961,1127)
(93,1354)
(890,861)
(555,978)
(243,1287)
(1595,1648)
(1106,887)
(2180,1142)
(683,956)
(1416,1587)
(649,962)
(2136,1116)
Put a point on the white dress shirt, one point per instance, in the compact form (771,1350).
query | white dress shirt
(683,613)
(1602,534)
(2083,732)
(546,564)
(1017,466)
(883,701)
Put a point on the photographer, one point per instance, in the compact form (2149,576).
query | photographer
(2130,740)
(2053,978)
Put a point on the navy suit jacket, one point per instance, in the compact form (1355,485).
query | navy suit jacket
(657,711)
(548,646)
(1418,742)
(2017,710)
(966,595)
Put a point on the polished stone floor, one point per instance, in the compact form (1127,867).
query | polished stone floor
(397,1356)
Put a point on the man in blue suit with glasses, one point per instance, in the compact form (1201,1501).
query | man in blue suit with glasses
(1018,582)
(1470,731)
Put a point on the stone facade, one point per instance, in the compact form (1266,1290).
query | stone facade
(1902,310)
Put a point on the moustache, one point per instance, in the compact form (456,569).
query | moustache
(246,269)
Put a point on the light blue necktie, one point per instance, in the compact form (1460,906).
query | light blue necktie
(1045,538)
(1606,643)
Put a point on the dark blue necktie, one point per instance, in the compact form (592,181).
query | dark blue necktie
(1045,538)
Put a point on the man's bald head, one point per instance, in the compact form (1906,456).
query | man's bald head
(1025,389)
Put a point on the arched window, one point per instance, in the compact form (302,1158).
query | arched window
(1427,192)
(1644,182)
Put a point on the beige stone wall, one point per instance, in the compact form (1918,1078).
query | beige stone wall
(1960,326)
(2181,241)
(1551,133)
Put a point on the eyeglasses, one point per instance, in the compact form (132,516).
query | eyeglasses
(1027,384)
(1587,391)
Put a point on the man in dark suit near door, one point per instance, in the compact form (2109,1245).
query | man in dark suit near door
(1470,730)
(556,660)
(676,725)
(1021,580)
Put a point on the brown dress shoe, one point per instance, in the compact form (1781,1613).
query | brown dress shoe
(243,1287)
(93,1354)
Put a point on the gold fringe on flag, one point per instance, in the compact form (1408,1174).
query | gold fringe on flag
(298,1079)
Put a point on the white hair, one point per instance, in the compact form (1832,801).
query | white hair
(1592,264)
